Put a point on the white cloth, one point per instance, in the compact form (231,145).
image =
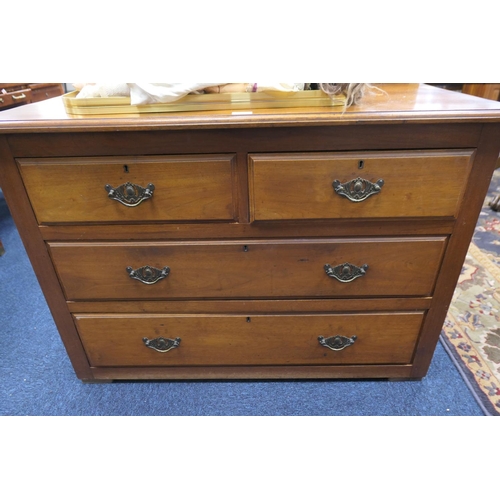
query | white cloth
(148,93)
(103,90)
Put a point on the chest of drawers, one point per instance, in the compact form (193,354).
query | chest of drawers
(18,94)
(304,243)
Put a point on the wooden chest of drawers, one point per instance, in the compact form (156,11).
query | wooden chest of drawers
(17,94)
(303,243)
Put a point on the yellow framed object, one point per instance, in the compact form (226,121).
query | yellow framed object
(202,102)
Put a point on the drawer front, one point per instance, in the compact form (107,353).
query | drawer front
(46,92)
(117,340)
(242,269)
(15,98)
(357,185)
(115,189)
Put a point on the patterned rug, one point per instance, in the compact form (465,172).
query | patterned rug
(471,333)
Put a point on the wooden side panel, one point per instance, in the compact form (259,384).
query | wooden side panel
(482,170)
(22,213)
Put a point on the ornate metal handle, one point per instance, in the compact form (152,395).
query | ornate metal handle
(161,344)
(337,343)
(345,272)
(147,274)
(17,97)
(129,194)
(358,189)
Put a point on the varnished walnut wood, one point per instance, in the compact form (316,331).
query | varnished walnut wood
(283,372)
(15,98)
(18,94)
(483,167)
(485,90)
(415,184)
(22,213)
(116,340)
(253,166)
(43,91)
(185,188)
(256,306)
(228,140)
(401,104)
(259,230)
(258,269)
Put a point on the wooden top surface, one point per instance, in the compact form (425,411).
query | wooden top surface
(401,103)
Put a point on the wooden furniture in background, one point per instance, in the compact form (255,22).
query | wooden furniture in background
(488,91)
(485,90)
(17,94)
(291,243)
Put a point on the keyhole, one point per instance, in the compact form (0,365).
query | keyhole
(125,168)
(245,248)
(361,164)
(248,319)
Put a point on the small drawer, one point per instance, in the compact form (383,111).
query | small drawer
(41,92)
(357,185)
(213,340)
(130,189)
(16,98)
(249,269)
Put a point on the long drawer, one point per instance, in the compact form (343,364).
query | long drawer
(159,340)
(249,269)
(363,184)
(130,189)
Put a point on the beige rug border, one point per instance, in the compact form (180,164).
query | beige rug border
(492,381)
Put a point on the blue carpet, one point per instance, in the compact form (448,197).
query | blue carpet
(36,377)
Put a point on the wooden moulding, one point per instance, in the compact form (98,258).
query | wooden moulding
(396,372)
(188,231)
(273,306)
(201,102)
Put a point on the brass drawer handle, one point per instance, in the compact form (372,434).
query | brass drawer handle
(161,344)
(129,194)
(337,343)
(358,189)
(148,275)
(345,272)
(18,97)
